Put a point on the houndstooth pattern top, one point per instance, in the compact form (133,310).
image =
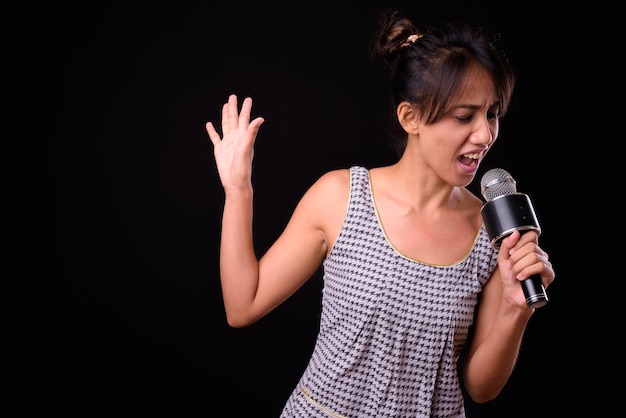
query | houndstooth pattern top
(392,328)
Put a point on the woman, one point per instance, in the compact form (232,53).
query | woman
(408,265)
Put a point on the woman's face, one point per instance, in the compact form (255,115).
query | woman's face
(455,145)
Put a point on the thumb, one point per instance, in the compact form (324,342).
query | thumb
(507,244)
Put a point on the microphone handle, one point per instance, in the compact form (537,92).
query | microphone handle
(515,212)
(535,293)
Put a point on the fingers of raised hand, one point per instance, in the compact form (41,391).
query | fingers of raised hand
(233,114)
(232,118)
(213,135)
(236,124)
(244,115)
(227,111)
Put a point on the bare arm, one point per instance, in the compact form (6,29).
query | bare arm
(252,287)
(502,316)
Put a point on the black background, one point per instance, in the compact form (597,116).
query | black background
(125,189)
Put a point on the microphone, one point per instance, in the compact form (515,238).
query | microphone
(504,212)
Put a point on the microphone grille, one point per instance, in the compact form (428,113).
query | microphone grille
(497,182)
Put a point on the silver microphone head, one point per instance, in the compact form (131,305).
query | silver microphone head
(496,182)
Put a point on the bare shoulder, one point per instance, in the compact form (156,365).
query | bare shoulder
(325,204)
(335,181)
(330,190)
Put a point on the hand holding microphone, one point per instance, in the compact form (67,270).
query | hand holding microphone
(506,211)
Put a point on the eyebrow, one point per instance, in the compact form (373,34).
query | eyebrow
(475,107)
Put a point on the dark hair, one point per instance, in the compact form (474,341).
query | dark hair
(427,67)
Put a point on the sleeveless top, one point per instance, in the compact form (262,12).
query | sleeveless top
(391,328)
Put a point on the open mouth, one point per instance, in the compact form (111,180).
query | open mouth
(470,160)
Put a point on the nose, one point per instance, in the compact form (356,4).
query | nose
(483,133)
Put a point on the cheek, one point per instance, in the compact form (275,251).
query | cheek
(495,129)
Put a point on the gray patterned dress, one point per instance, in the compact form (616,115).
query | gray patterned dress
(392,328)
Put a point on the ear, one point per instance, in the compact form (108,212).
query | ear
(408,117)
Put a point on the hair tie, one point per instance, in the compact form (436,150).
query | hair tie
(411,39)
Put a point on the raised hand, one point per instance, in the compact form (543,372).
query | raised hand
(234,151)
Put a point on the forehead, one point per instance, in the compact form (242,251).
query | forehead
(476,87)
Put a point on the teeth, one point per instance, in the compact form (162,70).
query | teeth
(473,156)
